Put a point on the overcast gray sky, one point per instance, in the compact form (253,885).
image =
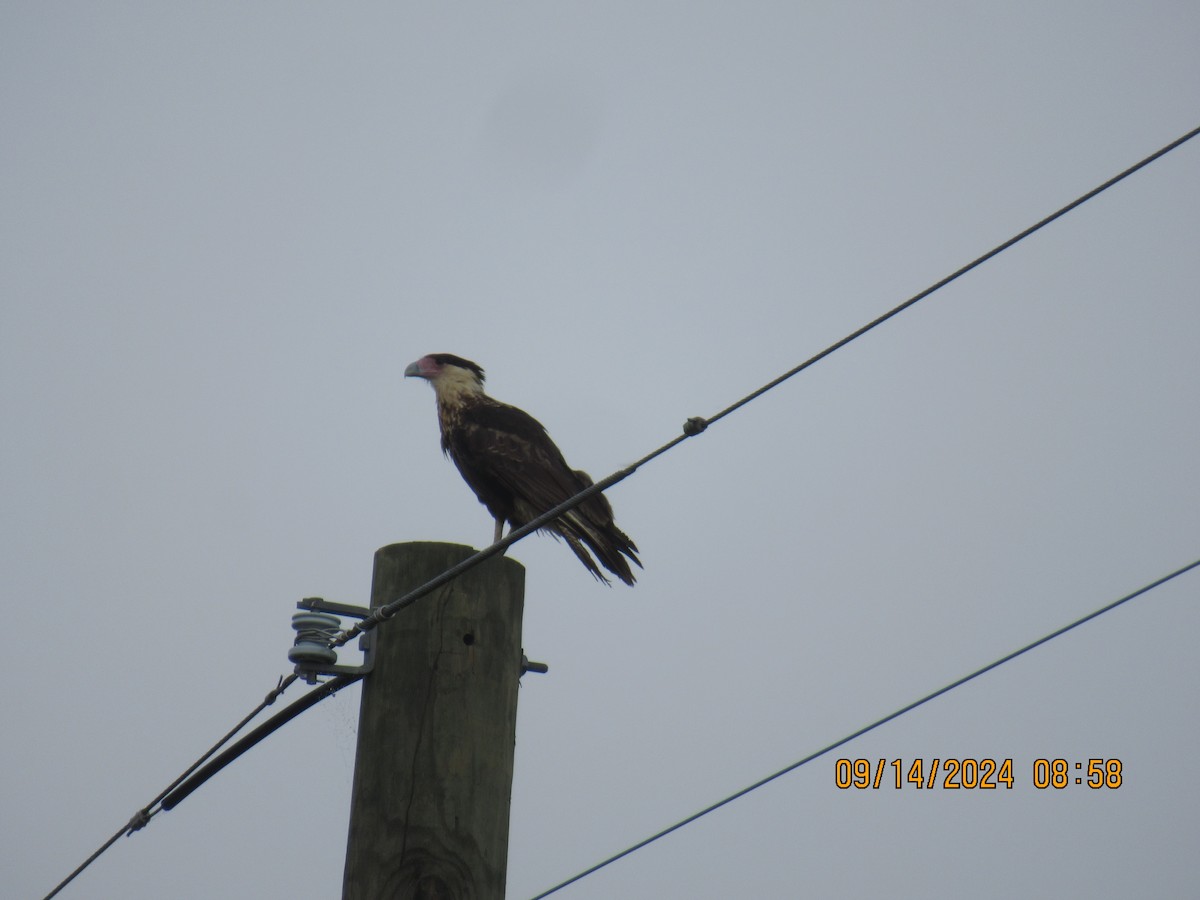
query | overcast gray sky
(227,227)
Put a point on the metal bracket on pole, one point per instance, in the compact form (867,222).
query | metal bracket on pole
(313,652)
(528,666)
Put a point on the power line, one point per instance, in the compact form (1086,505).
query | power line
(143,816)
(692,427)
(178,794)
(696,425)
(850,737)
(999,248)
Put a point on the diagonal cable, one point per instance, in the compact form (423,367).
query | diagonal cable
(696,425)
(691,428)
(878,722)
(142,817)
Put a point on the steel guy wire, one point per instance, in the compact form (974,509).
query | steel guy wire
(871,727)
(692,427)
(143,816)
(697,424)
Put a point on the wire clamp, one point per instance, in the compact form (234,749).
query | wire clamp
(140,820)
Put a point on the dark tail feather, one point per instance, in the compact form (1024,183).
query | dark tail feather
(610,545)
(608,548)
(610,553)
(591,523)
(584,557)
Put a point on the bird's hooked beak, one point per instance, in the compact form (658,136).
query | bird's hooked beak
(414,370)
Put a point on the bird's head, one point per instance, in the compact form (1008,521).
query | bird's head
(448,374)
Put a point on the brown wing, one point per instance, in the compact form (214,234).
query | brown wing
(518,473)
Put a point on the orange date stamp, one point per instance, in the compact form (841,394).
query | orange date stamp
(972,774)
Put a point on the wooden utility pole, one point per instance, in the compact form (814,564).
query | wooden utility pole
(437,730)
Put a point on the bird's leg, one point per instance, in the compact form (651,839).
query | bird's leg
(499,530)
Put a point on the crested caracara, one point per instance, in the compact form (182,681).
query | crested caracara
(515,470)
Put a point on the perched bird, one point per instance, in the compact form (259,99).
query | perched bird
(508,460)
